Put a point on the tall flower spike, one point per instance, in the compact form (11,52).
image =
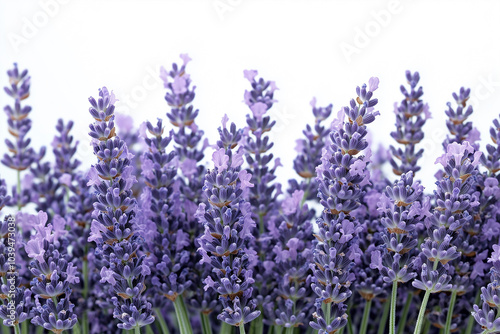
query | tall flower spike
(340,176)
(457,124)
(228,232)
(444,226)
(114,226)
(411,115)
(189,147)
(22,155)
(309,152)
(263,196)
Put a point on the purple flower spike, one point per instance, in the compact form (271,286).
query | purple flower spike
(22,155)
(340,191)
(457,124)
(225,244)
(411,115)
(115,228)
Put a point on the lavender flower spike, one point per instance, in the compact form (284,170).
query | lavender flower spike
(489,315)
(22,155)
(409,123)
(228,232)
(341,177)
(114,226)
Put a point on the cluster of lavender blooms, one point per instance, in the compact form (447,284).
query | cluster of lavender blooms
(156,237)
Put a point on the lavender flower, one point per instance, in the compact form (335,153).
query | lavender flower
(22,155)
(114,226)
(409,123)
(489,315)
(457,124)
(340,178)
(53,275)
(453,200)
(309,152)
(228,227)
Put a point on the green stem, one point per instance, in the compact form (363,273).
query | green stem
(289,330)
(77,329)
(278,329)
(226,328)
(450,311)
(421,313)
(404,315)
(258,324)
(85,325)
(5,329)
(39,330)
(394,298)
(349,321)
(149,330)
(328,312)
(17,330)
(383,321)
(427,326)
(242,328)
(366,315)
(161,321)
(205,324)
(182,316)
(137,330)
(471,322)
(24,327)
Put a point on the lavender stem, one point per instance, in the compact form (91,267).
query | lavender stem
(471,321)
(450,311)
(162,322)
(404,315)
(182,316)
(16,329)
(383,321)
(394,298)
(366,315)
(205,324)
(423,307)
(242,328)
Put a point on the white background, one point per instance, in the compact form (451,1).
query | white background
(75,47)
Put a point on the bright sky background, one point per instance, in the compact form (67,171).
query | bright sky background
(72,48)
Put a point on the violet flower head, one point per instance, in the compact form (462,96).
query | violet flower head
(341,177)
(114,226)
(53,276)
(491,160)
(228,232)
(309,152)
(19,124)
(411,115)
(457,124)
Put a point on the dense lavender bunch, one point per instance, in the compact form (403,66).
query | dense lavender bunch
(341,178)
(488,316)
(457,124)
(401,207)
(189,147)
(22,155)
(166,239)
(53,275)
(114,226)
(228,231)
(309,152)
(443,243)
(409,123)
(53,181)
(17,303)
(292,256)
